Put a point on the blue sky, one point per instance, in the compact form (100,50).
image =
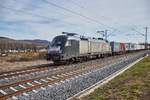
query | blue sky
(37,19)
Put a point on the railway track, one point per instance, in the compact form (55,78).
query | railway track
(58,75)
(32,69)
(26,71)
(28,85)
(36,72)
(67,89)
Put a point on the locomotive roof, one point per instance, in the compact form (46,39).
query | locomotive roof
(73,38)
(78,38)
(69,34)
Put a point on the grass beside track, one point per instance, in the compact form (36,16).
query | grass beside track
(133,84)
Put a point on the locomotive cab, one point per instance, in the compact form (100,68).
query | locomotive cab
(56,48)
(62,48)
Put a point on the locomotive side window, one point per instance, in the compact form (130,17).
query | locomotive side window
(68,43)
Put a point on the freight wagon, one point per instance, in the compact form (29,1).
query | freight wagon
(139,47)
(130,47)
(148,47)
(117,48)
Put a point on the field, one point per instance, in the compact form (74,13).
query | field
(16,61)
(24,56)
(133,84)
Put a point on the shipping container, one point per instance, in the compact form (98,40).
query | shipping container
(117,47)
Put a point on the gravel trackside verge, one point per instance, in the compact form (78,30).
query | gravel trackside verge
(68,88)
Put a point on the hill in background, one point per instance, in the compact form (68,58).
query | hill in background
(37,42)
(12,44)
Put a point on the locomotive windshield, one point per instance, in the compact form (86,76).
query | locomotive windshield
(59,41)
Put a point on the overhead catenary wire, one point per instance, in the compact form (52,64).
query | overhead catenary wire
(81,6)
(76,13)
(22,11)
(47,9)
(88,18)
(29,13)
(144,35)
(138,32)
(84,7)
(66,9)
(33,5)
(77,4)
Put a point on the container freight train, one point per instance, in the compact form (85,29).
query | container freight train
(120,48)
(69,47)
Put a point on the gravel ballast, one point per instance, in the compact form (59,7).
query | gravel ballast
(52,71)
(66,89)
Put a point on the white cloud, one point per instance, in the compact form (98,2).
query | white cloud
(47,21)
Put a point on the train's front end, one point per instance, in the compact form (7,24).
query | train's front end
(56,48)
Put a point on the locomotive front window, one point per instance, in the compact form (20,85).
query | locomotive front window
(59,41)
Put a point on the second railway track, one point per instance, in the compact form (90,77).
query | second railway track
(19,75)
(33,69)
(25,71)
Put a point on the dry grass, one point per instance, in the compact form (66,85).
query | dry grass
(133,84)
(19,61)
(29,56)
(12,66)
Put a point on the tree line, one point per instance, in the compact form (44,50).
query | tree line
(7,45)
